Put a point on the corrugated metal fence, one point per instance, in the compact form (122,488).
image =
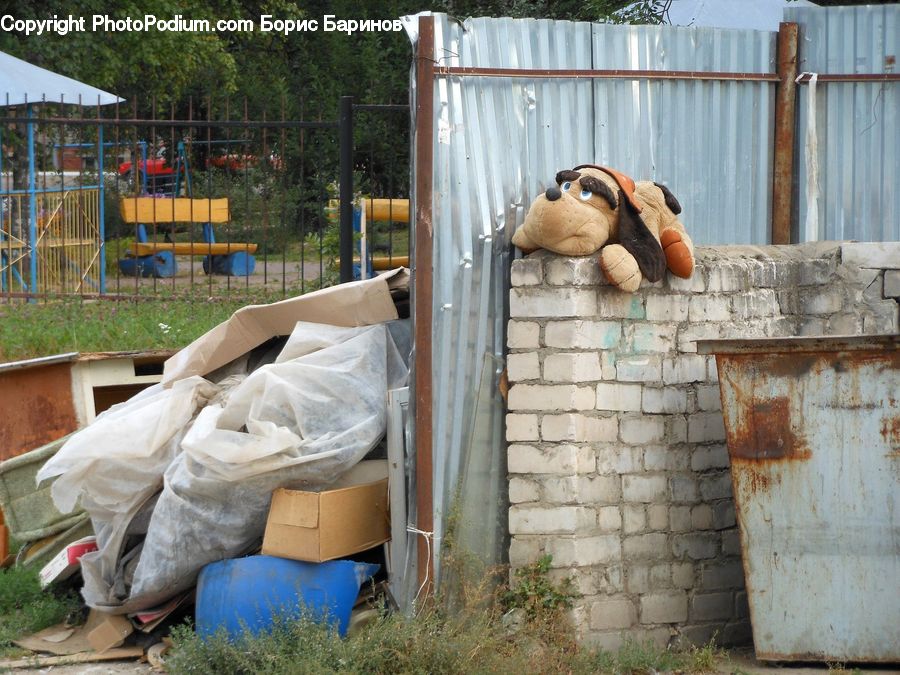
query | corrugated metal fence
(498,139)
(857,152)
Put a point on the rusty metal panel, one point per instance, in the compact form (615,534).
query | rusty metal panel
(36,407)
(813,433)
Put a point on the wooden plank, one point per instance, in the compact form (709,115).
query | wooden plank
(188,248)
(87,657)
(174,210)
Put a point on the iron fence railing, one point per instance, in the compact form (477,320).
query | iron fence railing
(205,201)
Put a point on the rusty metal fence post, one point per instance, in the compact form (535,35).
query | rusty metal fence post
(785,124)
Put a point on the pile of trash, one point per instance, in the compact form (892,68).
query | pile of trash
(169,494)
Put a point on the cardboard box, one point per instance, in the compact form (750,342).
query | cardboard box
(110,632)
(348,517)
(67,561)
(356,303)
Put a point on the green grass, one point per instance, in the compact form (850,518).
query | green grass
(42,329)
(430,643)
(25,608)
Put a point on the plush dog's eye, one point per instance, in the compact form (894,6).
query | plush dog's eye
(585,195)
(565,186)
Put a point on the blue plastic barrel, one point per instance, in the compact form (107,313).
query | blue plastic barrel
(249,593)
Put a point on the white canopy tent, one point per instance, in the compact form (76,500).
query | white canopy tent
(750,14)
(24,84)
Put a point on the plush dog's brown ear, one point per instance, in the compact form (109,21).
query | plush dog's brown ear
(640,242)
(671,202)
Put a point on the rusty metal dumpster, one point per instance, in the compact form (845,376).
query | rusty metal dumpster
(813,433)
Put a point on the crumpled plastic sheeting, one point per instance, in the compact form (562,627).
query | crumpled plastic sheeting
(303,420)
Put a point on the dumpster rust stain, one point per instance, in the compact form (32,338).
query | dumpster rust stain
(890,432)
(767,433)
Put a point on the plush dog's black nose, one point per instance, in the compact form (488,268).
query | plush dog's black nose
(552,194)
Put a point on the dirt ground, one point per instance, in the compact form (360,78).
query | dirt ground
(739,661)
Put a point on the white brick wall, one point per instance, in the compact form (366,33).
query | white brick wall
(617,460)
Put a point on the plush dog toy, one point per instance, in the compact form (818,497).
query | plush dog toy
(635,226)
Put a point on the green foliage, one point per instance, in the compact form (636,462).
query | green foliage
(26,608)
(31,330)
(536,593)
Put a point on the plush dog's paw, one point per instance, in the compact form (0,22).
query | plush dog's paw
(679,258)
(620,268)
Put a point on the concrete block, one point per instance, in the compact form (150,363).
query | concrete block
(658,517)
(821,302)
(702,517)
(705,427)
(608,364)
(679,518)
(559,271)
(684,368)
(664,608)
(609,519)
(526,272)
(695,284)
(696,545)
(642,430)
(599,489)
(521,491)
(872,255)
(699,635)
(523,366)
(683,575)
(639,368)
(612,613)
(550,397)
(634,519)
(684,489)
(667,307)
(560,490)
(614,304)
(676,429)
(619,459)
(578,428)
(892,284)
(607,642)
(523,335)
(584,551)
(531,302)
(572,367)
(726,277)
(651,546)
(847,323)
(812,325)
(716,575)
(549,520)
(817,272)
(741,605)
(716,486)
(709,397)
(712,370)
(521,427)
(637,488)
(650,337)
(665,399)
(723,515)
(637,579)
(735,634)
(709,308)
(756,303)
(619,397)
(582,334)
(525,550)
(558,459)
(661,577)
(666,458)
(689,333)
(708,457)
(731,542)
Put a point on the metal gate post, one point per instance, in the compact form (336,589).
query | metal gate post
(785,124)
(346,190)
